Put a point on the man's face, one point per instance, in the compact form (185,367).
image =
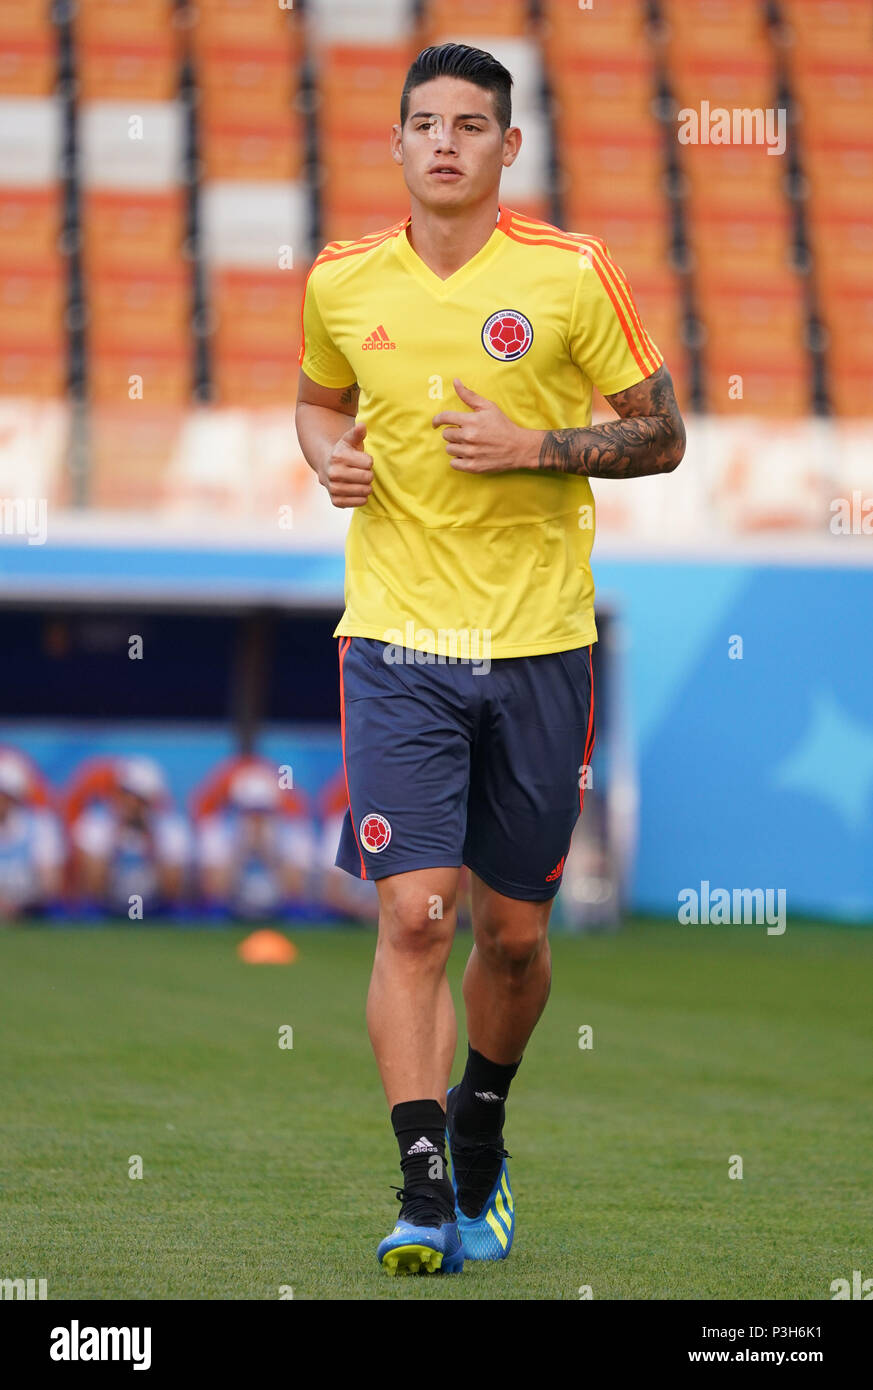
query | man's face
(132,809)
(451,123)
(255,828)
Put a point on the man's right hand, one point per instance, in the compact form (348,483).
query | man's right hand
(348,473)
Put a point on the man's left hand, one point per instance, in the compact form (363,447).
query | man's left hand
(483,439)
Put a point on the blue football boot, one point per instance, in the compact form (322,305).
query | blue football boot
(417,1245)
(483,1197)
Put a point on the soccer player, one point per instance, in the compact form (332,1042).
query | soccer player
(31,843)
(131,844)
(254,860)
(445,395)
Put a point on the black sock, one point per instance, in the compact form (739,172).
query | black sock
(420,1127)
(479,1102)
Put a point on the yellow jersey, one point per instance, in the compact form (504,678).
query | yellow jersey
(452,563)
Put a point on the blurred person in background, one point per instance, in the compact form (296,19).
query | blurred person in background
(31,843)
(131,843)
(256,852)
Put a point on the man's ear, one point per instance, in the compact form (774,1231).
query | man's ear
(511,145)
(397,144)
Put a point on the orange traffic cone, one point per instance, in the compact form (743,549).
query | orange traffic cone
(267,947)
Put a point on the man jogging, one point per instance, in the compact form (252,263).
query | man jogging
(445,394)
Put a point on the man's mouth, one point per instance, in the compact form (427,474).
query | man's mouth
(446,171)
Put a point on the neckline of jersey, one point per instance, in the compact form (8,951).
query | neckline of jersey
(429,278)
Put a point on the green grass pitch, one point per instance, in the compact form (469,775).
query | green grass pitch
(265,1167)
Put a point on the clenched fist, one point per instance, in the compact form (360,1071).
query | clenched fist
(348,473)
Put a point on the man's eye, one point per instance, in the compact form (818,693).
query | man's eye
(472,127)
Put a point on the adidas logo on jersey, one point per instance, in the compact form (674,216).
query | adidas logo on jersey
(377,341)
(486,1095)
(422,1146)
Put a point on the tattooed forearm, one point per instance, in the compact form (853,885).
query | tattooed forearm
(350,395)
(650,437)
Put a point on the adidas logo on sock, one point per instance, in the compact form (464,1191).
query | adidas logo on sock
(487,1095)
(422,1146)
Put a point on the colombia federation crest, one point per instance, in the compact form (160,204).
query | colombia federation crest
(507,335)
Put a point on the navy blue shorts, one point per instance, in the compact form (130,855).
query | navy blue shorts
(447,765)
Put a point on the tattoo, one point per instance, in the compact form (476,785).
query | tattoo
(650,437)
(350,395)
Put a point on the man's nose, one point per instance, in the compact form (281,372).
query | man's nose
(441,134)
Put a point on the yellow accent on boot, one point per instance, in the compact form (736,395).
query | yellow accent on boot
(496,1227)
(506,1192)
(412,1259)
(502,1212)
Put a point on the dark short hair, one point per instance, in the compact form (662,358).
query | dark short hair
(470,64)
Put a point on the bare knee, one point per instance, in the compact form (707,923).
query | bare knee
(417,920)
(511,942)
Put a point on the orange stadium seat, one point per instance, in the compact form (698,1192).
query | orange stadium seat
(360,169)
(851,396)
(165,373)
(724,81)
(830,27)
(266,151)
(133,307)
(751,316)
(241,24)
(848,313)
(33,291)
(657,297)
(594,97)
(24,21)
(609,28)
(146,71)
(123,229)
(774,383)
(841,176)
(256,379)
(30,223)
(34,371)
(737,178)
(842,249)
(475,18)
(256,311)
(731,241)
(32,304)
(836,100)
(28,66)
(122,21)
(847,310)
(362,83)
(612,170)
(717,27)
(253,85)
